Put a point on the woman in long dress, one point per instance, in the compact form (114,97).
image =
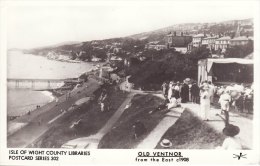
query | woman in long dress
(204,103)
(170,90)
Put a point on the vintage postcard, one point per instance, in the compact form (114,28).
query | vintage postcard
(129,82)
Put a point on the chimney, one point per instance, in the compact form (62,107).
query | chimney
(181,33)
(174,33)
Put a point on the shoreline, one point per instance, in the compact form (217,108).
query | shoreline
(53,94)
(18,109)
(45,114)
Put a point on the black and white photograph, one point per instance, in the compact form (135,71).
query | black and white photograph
(148,75)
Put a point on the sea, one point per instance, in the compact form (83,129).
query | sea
(27,66)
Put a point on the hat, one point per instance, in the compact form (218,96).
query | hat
(231,130)
(187,79)
(166,143)
(205,87)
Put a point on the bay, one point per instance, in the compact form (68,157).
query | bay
(27,66)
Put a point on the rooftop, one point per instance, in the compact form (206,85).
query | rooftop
(211,37)
(225,38)
(199,35)
(240,38)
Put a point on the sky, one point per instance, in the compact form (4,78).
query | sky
(35,25)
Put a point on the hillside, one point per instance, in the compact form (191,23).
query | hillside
(193,28)
(125,47)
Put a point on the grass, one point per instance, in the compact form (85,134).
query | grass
(189,132)
(92,119)
(121,136)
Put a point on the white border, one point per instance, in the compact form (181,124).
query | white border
(127,156)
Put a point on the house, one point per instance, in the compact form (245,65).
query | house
(95,59)
(205,42)
(116,58)
(117,50)
(222,43)
(238,41)
(156,45)
(209,42)
(181,40)
(189,47)
(182,50)
(197,40)
(116,44)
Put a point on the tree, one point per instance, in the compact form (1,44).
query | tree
(240,51)
(199,53)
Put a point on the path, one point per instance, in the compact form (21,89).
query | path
(37,121)
(92,141)
(245,124)
(156,134)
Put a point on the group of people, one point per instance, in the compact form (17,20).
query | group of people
(176,93)
(234,95)
(238,96)
(204,93)
(241,96)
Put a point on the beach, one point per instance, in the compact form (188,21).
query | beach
(27,66)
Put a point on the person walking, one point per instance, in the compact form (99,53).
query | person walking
(204,103)
(224,101)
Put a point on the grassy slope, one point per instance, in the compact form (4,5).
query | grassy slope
(121,136)
(91,117)
(191,133)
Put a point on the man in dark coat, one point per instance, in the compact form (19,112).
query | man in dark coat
(195,93)
(184,93)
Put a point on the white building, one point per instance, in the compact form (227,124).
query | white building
(197,40)
(209,42)
(222,43)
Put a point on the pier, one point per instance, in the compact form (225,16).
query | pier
(31,83)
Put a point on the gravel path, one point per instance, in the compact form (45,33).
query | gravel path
(156,134)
